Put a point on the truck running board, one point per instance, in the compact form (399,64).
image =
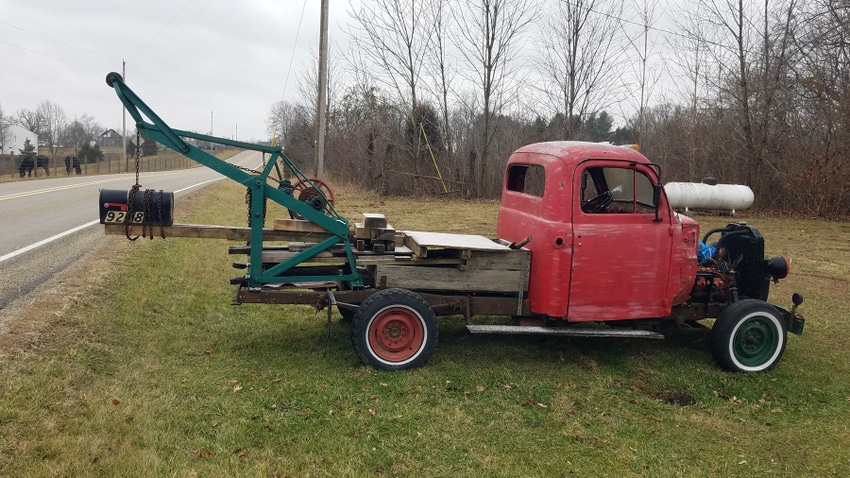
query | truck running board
(562,331)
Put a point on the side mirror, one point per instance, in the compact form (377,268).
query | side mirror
(656,200)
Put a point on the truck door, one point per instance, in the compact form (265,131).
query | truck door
(621,252)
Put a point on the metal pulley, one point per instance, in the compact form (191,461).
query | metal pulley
(314,192)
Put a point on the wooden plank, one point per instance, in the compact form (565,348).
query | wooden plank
(443,261)
(373,220)
(360,231)
(199,231)
(375,233)
(515,260)
(384,234)
(337,251)
(276,257)
(420,242)
(297,225)
(449,279)
(419,251)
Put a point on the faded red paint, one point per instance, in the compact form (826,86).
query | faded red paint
(619,263)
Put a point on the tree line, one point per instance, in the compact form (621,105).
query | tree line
(50,123)
(434,95)
(55,132)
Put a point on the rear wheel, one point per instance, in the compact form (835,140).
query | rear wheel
(394,329)
(748,336)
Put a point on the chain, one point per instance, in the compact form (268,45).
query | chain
(131,194)
(147,227)
(248,198)
(147,210)
(254,171)
(249,195)
(161,222)
(138,155)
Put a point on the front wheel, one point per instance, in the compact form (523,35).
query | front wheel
(394,329)
(748,336)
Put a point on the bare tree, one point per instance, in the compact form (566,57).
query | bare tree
(91,128)
(648,77)
(392,36)
(73,135)
(689,53)
(819,139)
(54,121)
(491,32)
(751,55)
(291,126)
(443,74)
(578,47)
(4,130)
(82,130)
(308,87)
(32,120)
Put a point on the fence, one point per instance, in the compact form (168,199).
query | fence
(111,163)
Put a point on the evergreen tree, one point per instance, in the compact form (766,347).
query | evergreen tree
(29,150)
(91,154)
(149,147)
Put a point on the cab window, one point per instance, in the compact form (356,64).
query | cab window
(611,190)
(527,178)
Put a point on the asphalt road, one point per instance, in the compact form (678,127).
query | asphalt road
(49,225)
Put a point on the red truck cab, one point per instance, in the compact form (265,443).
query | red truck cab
(605,243)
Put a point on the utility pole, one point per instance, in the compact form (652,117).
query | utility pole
(124,123)
(321,107)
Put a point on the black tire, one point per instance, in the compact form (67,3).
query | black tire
(394,329)
(748,336)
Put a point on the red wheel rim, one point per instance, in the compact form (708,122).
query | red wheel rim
(396,334)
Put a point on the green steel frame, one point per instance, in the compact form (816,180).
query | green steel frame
(260,189)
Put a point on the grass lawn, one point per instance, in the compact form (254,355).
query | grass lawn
(154,373)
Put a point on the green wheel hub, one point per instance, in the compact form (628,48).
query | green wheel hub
(748,336)
(755,341)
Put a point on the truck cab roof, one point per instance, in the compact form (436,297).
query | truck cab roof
(573,152)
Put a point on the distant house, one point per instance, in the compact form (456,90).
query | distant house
(15,137)
(110,138)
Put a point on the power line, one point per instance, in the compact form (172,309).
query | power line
(58,42)
(65,60)
(152,38)
(295,46)
(192,20)
(646,26)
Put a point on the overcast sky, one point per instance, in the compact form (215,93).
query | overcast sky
(185,58)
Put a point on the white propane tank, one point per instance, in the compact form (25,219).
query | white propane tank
(724,197)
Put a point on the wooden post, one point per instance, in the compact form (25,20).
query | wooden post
(321,107)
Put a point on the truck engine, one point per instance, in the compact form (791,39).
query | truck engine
(734,267)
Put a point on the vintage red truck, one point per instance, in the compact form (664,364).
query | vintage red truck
(585,235)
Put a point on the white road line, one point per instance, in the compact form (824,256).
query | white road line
(47,241)
(54,189)
(199,184)
(80,228)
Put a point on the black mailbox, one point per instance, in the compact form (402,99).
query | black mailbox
(150,206)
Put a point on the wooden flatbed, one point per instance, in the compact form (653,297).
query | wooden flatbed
(456,273)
